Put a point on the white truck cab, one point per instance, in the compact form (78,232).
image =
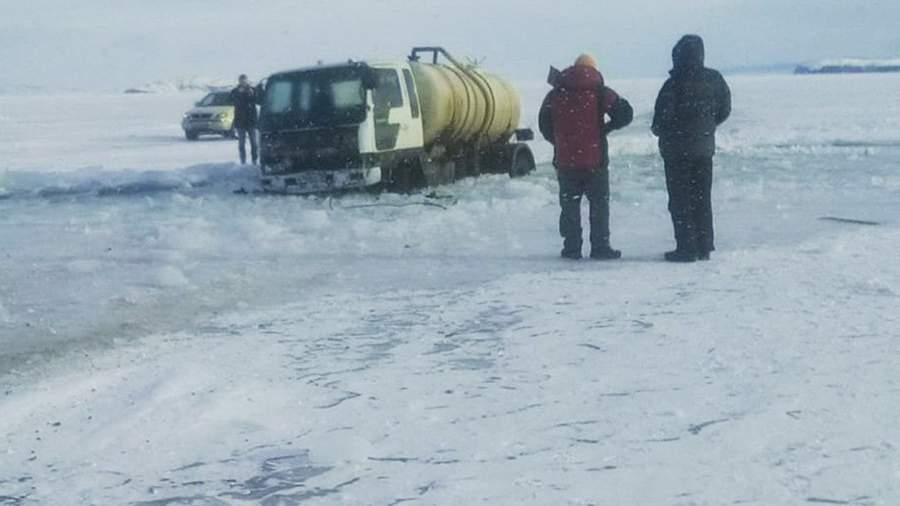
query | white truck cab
(354,125)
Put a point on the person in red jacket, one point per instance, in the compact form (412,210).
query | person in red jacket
(573,119)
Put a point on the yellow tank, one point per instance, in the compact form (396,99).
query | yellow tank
(463,105)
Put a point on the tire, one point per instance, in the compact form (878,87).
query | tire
(522,162)
(406,177)
(191,136)
(231,134)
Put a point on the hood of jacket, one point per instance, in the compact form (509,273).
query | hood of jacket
(688,55)
(580,77)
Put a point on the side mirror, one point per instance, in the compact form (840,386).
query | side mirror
(369,81)
(261,92)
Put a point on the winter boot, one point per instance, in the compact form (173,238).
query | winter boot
(606,253)
(570,254)
(681,256)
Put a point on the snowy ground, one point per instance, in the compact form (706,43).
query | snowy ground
(164,340)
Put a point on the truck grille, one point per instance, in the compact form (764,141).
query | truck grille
(315,149)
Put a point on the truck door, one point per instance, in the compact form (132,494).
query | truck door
(398,122)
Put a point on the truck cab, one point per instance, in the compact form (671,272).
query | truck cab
(337,127)
(401,125)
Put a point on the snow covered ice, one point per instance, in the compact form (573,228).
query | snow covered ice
(165,340)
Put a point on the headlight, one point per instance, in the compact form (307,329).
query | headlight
(186,115)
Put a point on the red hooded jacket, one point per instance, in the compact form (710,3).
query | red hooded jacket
(572,118)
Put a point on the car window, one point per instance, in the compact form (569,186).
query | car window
(388,94)
(222,99)
(411,91)
(216,100)
(347,93)
(278,96)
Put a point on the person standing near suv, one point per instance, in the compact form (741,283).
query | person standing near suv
(573,119)
(692,103)
(245,99)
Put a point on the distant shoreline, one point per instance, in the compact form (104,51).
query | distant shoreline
(850,67)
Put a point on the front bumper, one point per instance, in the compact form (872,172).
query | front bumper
(321,181)
(206,126)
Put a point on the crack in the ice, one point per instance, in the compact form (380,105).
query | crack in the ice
(663,440)
(642,324)
(338,402)
(189,466)
(442,462)
(597,469)
(696,429)
(575,424)
(402,460)
(402,500)
(196,500)
(528,453)
(522,409)
(427,488)
(274,480)
(295,499)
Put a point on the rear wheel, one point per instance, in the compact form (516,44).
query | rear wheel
(191,136)
(522,162)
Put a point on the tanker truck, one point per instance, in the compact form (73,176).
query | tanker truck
(399,125)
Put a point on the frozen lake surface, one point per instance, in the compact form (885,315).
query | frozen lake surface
(168,339)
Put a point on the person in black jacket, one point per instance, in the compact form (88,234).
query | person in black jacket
(692,103)
(244,97)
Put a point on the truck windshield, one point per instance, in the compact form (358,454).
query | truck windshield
(316,98)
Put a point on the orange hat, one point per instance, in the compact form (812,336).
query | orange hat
(586,60)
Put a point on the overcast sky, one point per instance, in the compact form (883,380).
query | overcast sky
(111,44)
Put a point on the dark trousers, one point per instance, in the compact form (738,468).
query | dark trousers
(689,182)
(243,134)
(573,184)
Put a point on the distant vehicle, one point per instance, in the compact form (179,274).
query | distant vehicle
(214,115)
(401,124)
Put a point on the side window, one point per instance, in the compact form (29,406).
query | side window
(387,94)
(278,96)
(411,91)
(305,96)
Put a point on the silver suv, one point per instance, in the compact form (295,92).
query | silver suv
(214,115)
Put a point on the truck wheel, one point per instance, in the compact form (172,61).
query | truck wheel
(407,176)
(494,161)
(522,162)
(191,136)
